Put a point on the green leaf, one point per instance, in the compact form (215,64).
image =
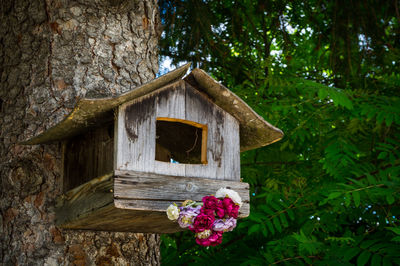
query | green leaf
(307,260)
(356,198)
(264,230)
(389,119)
(254,228)
(322,93)
(366,244)
(396,239)
(270,227)
(386,262)
(382,155)
(267,210)
(363,258)
(277,224)
(290,214)
(359,183)
(378,246)
(351,253)
(284,220)
(323,202)
(275,206)
(371,179)
(390,198)
(256,216)
(334,195)
(347,200)
(376,260)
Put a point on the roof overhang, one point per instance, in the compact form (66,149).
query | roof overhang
(255,132)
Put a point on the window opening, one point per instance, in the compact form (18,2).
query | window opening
(181,141)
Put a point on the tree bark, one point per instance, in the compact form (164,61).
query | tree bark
(53,52)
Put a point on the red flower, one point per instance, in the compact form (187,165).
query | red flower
(214,239)
(231,209)
(210,202)
(202,222)
(208,212)
(220,211)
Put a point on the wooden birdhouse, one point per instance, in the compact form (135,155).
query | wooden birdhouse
(127,158)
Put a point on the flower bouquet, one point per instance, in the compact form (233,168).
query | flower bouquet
(208,219)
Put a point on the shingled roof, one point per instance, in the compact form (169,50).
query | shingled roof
(255,132)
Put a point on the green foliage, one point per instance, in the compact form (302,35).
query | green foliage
(327,74)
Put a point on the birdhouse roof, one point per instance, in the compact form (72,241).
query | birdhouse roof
(255,132)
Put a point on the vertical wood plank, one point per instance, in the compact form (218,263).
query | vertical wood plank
(231,149)
(171,103)
(204,137)
(136,135)
(201,110)
(88,156)
(223,138)
(118,135)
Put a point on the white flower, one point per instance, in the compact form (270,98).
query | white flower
(173,212)
(225,192)
(205,234)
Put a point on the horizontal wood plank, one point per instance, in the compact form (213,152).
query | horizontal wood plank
(81,201)
(128,201)
(110,218)
(148,191)
(161,206)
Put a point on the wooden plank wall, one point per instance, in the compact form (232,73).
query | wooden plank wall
(135,133)
(88,156)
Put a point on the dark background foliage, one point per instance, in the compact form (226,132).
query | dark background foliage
(327,74)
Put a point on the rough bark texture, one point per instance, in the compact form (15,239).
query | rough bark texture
(53,52)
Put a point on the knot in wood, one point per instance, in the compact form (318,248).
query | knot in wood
(190,187)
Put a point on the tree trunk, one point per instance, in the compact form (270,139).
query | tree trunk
(53,52)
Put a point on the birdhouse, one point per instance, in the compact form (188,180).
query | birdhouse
(127,158)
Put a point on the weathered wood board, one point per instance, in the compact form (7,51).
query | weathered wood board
(81,201)
(88,156)
(136,202)
(147,191)
(136,134)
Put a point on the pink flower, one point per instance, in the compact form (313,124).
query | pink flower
(202,222)
(220,211)
(208,212)
(210,202)
(214,239)
(231,209)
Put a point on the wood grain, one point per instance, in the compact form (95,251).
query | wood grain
(170,103)
(81,201)
(136,133)
(231,149)
(122,220)
(135,202)
(162,190)
(223,137)
(88,156)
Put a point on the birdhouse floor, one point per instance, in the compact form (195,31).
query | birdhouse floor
(136,202)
